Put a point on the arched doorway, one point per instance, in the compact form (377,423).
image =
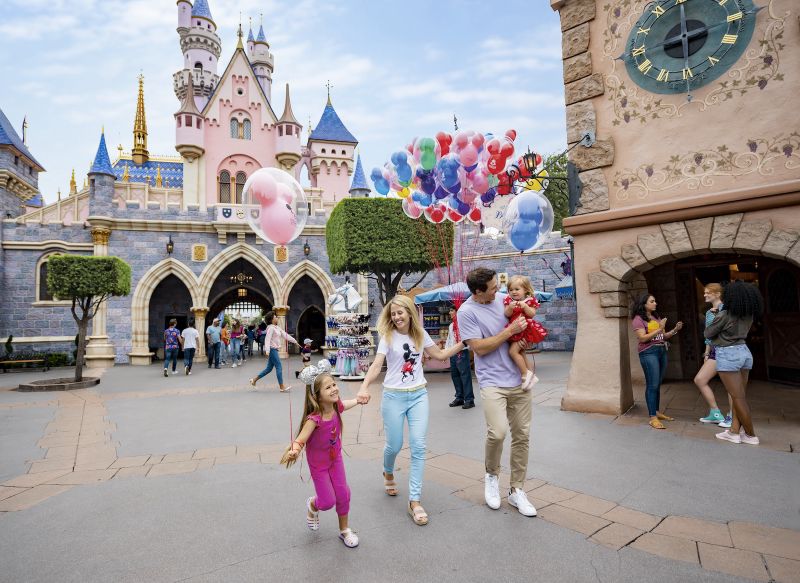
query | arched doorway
(241,286)
(311,324)
(774,339)
(170,299)
(306,294)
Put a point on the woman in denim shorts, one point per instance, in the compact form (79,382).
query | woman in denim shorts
(742,302)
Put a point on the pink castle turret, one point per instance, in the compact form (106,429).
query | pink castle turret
(288,147)
(201,48)
(262,61)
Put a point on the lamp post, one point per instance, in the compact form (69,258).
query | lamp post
(170,246)
(306,249)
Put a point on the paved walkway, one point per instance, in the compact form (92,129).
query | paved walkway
(147,478)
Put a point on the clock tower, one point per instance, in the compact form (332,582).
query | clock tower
(694,179)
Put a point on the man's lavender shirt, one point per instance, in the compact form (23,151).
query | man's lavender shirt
(476,321)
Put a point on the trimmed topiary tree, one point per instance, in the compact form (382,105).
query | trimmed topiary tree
(374,236)
(88,282)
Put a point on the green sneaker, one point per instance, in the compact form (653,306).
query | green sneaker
(714,416)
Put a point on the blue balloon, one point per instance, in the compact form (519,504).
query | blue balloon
(459,206)
(381,184)
(422,199)
(488,197)
(402,167)
(427,181)
(447,173)
(523,235)
(440,193)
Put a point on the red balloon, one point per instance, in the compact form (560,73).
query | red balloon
(435,214)
(511,135)
(475,215)
(444,140)
(504,185)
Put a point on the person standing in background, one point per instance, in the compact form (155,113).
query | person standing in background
(460,370)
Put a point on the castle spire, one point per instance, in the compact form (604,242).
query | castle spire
(288,114)
(25,130)
(73,186)
(140,153)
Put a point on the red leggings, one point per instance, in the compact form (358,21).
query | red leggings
(331,486)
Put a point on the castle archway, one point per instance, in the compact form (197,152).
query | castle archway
(140,304)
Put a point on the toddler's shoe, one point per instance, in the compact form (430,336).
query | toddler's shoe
(526,384)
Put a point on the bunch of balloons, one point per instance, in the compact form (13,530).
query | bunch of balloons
(275,205)
(457,176)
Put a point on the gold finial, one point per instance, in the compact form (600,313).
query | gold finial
(139,152)
(126,176)
(158,176)
(328,85)
(73,187)
(239,33)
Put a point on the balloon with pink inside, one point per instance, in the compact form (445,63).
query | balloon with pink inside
(275,205)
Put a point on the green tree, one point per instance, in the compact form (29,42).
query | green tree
(375,237)
(88,282)
(557,192)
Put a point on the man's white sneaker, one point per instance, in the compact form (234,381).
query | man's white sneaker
(748,439)
(233,365)
(728,436)
(491,491)
(519,500)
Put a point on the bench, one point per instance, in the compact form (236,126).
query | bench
(6,363)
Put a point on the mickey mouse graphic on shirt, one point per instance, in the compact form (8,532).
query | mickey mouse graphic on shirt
(409,361)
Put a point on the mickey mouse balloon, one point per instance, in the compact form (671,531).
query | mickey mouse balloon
(528,220)
(275,205)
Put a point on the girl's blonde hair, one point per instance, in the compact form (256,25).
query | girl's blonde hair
(386,326)
(714,288)
(311,406)
(523,282)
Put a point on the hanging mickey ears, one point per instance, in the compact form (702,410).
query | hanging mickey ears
(310,373)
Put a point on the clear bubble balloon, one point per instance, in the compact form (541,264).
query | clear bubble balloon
(528,220)
(275,205)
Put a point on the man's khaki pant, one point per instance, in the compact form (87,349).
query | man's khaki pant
(504,409)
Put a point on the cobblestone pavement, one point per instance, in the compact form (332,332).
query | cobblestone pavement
(146,478)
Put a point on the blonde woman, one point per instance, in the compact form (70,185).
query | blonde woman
(403,340)
(712,294)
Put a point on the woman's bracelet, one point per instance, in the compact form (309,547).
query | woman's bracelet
(300,443)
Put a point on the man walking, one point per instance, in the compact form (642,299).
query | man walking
(190,336)
(482,325)
(460,370)
(172,344)
(214,343)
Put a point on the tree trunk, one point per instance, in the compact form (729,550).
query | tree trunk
(83,326)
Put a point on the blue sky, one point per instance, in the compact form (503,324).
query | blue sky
(398,70)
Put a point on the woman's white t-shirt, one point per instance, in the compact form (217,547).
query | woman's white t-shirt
(403,361)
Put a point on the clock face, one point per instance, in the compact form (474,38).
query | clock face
(680,45)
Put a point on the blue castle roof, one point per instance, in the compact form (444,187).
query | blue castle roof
(330,128)
(250,36)
(201,8)
(36,201)
(359,180)
(261,38)
(171,172)
(9,137)
(102,163)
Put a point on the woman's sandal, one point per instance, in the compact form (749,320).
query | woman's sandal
(418,514)
(663,417)
(389,485)
(349,538)
(312,516)
(286,390)
(656,424)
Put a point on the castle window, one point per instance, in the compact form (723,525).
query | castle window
(225,187)
(234,128)
(199,66)
(280,131)
(288,130)
(241,178)
(246,129)
(199,123)
(16,160)
(179,121)
(323,150)
(344,153)
(42,295)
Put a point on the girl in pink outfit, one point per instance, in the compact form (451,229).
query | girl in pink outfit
(321,435)
(521,301)
(274,337)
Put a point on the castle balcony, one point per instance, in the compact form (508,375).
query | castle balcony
(204,82)
(200,38)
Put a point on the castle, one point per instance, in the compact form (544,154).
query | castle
(177,220)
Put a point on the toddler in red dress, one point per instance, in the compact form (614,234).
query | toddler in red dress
(520,301)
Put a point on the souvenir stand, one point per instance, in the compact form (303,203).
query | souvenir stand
(348,343)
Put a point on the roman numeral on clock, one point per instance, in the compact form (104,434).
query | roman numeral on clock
(638,51)
(663,75)
(730,39)
(645,66)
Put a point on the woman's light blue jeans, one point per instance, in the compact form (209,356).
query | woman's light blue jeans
(397,406)
(274,361)
(236,346)
(654,364)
